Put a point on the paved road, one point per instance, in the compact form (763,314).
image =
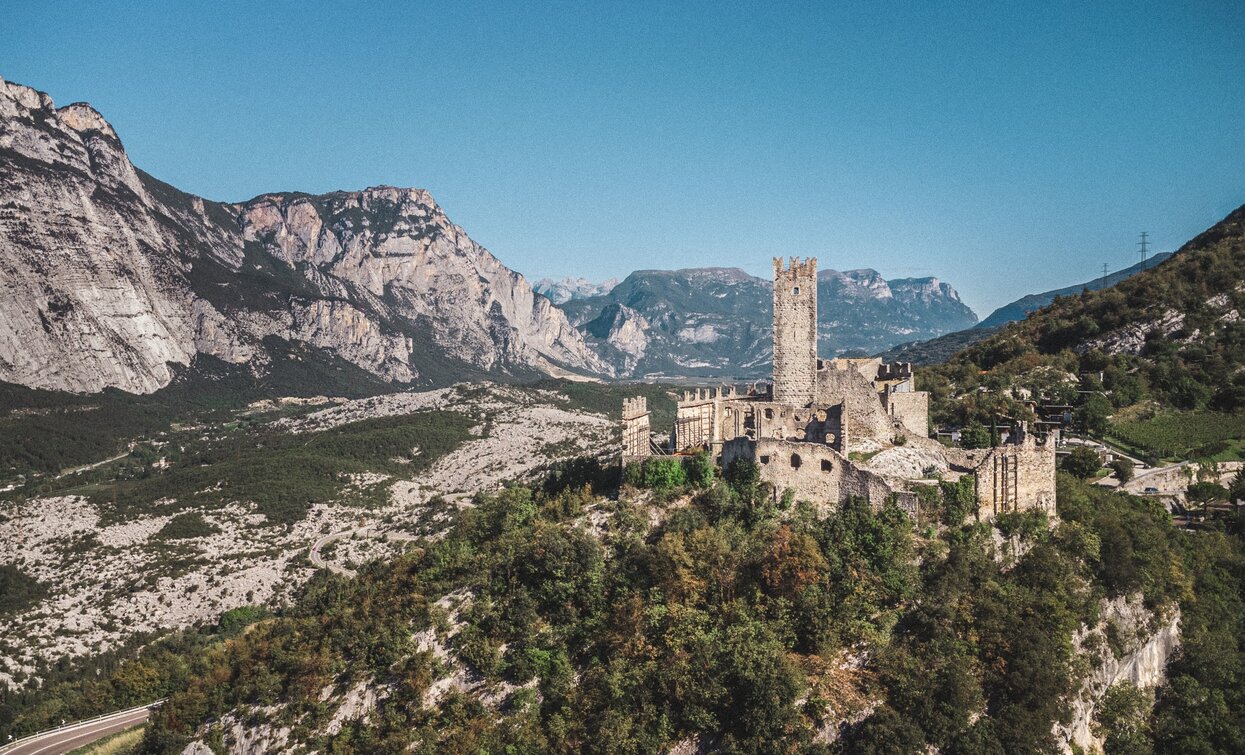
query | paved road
(100,463)
(76,735)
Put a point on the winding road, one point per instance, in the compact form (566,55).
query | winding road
(318,561)
(75,735)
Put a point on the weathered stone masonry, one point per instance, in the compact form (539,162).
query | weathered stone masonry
(795,331)
(835,428)
(637,443)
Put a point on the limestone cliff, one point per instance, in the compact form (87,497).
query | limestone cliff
(1129,645)
(114,279)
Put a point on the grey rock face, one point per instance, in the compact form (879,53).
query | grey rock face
(114,279)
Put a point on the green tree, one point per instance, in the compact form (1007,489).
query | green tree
(1122,721)
(699,469)
(1123,469)
(1206,492)
(661,472)
(1236,488)
(974,435)
(1091,416)
(1082,462)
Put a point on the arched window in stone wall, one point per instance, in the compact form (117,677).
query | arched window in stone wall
(795,461)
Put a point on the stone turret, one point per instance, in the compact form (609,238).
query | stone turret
(636,442)
(795,331)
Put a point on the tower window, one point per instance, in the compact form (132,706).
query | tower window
(826,466)
(795,291)
(795,461)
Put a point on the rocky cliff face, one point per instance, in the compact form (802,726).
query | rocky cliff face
(717,322)
(114,279)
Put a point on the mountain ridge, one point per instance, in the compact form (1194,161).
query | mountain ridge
(715,321)
(115,276)
(1019,309)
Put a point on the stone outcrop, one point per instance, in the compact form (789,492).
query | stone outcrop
(1148,643)
(114,279)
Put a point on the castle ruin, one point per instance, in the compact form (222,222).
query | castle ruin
(834,428)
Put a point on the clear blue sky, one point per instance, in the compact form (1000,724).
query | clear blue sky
(1005,151)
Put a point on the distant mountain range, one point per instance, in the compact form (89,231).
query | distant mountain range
(943,347)
(717,322)
(115,279)
(562,290)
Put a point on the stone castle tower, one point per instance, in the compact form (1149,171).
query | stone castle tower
(795,331)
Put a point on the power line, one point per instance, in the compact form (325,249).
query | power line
(1145,247)
(1104,275)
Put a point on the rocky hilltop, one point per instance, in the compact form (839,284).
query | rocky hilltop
(114,279)
(717,321)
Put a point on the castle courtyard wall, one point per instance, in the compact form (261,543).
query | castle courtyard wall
(822,475)
(1011,478)
(911,408)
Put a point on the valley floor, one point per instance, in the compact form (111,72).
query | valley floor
(108,581)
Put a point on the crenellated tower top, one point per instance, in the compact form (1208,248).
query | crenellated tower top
(795,269)
(634,407)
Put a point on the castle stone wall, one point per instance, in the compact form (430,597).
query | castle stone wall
(817,473)
(864,418)
(1016,477)
(795,331)
(911,408)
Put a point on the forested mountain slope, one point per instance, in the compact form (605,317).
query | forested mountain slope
(1164,346)
(1020,308)
(550,620)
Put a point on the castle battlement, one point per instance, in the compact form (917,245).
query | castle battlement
(709,394)
(795,268)
(635,407)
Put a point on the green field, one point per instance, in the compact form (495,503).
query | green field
(1181,435)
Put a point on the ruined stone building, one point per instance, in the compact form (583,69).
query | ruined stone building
(834,428)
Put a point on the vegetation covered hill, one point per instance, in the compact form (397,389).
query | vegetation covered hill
(1021,308)
(1166,343)
(550,620)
